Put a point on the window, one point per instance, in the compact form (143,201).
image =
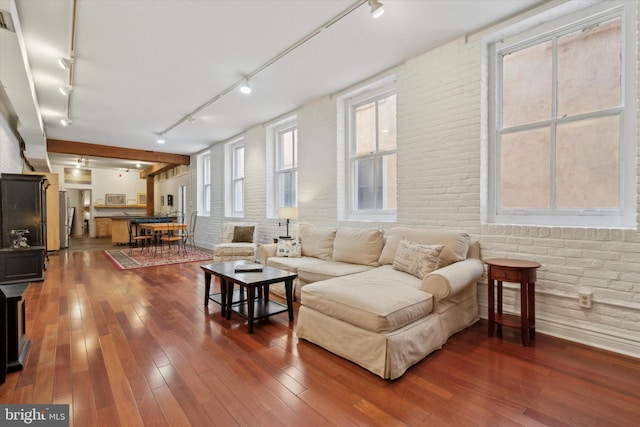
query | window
(234,153)
(204,183)
(372,155)
(287,166)
(561,130)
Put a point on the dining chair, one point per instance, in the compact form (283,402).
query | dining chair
(135,239)
(189,234)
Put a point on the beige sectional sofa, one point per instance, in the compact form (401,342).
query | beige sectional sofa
(375,300)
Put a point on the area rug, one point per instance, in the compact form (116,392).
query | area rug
(122,261)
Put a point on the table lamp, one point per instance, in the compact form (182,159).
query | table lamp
(287,214)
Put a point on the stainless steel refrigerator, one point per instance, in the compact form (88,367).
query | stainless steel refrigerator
(65,220)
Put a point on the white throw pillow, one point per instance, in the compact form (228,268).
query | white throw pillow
(289,248)
(417,259)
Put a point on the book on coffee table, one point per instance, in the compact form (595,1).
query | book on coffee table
(247,268)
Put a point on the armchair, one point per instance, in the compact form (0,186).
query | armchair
(239,241)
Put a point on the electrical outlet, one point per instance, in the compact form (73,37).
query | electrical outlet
(584,298)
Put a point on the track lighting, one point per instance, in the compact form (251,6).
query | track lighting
(376,9)
(65,63)
(65,90)
(66,121)
(191,119)
(161,139)
(245,87)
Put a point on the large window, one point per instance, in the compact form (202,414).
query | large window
(561,128)
(372,155)
(286,139)
(234,153)
(204,183)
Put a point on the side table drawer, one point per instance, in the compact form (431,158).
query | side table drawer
(506,274)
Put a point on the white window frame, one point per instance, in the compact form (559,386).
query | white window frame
(556,21)
(234,206)
(280,170)
(273,157)
(204,183)
(359,98)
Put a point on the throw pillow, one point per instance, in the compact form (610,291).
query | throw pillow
(243,234)
(416,259)
(289,248)
(358,245)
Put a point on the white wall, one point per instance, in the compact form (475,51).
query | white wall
(439,185)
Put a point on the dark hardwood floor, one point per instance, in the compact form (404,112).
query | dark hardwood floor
(138,348)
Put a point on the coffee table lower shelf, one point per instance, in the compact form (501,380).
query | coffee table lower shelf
(262,308)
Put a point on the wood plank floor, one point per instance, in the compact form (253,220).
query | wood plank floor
(138,348)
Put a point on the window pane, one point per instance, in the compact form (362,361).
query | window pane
(370,185)
(237,196)
(525,169)
(285,190)
(387,123)
(526,85)
(287,150)
(391,187)
(365,128)
(238,170)
(588,164)
(585,83)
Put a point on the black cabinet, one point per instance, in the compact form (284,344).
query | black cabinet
(23,248)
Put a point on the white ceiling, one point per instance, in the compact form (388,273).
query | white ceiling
(143,65)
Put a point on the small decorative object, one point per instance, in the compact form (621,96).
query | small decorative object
(19,239)
(111,199)
(142,198)
(248,268)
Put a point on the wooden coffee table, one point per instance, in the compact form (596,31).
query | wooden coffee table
(251,308)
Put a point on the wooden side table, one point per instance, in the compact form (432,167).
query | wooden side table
(513,271)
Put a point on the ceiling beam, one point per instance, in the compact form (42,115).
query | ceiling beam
(96,150)
(156,169)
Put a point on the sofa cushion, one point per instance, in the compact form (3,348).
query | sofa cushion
(243,234)
(289,248)
(311,273)
(376,301)
(234,249)
(358,245)
(456,243)
(417,259)
(292,264)
(316,241)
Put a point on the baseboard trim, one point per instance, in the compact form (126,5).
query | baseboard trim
(627,345)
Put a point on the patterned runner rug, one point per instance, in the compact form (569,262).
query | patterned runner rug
(122,261)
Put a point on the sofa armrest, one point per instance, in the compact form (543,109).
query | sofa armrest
(266,251)
(453,278)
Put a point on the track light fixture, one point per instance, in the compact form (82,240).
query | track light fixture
(65,90)
(377,9)
(65,63)
(245,87)
(66,122)
(161,139)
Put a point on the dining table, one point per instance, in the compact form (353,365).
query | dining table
(158,228)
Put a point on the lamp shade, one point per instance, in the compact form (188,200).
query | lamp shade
(288,213)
